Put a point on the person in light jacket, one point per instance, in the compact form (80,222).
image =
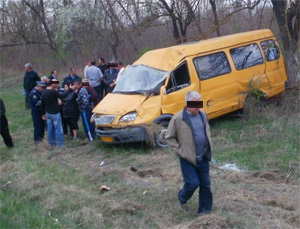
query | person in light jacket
(189,136)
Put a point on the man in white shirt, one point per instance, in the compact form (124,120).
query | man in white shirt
(86,67)
(95,77)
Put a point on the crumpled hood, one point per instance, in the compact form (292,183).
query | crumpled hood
(118,104)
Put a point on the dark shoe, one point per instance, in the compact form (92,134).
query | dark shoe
(204,213)
(184,206)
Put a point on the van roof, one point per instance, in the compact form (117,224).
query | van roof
(168,58)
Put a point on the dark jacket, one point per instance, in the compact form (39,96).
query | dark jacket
(70,106)
(35,100)
(2,108)
(92,95)
(49,101)
(103,68)
(68,80)
(108,78)
(180,136)
(30,79)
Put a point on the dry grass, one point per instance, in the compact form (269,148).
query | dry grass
(60,187)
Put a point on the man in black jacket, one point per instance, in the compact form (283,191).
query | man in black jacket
(110,76)
(30,78)
(69,80)
(4,127)
(51,113)
(71,114)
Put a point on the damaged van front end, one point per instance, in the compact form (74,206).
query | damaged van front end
(122,119)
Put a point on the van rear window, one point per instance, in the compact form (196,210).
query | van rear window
(212,65)
(270,49)
(246,56)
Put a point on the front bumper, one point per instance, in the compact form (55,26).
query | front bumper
(123,135)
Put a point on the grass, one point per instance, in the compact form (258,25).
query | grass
(43,188)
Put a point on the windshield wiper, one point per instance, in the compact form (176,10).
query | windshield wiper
(142,92)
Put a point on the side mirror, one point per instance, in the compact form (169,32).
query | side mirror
(163,90)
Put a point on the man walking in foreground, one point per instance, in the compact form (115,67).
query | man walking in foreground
(189,136)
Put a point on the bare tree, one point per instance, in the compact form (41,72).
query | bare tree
(287,14)
(216,19)
(39,10)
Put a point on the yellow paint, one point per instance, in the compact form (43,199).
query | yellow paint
(221,94)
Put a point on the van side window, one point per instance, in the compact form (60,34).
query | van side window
(212,65)
(179,79)
(270,49)
(246,56)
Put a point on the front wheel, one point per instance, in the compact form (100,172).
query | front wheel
(160,140)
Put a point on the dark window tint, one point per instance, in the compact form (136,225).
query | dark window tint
(270,49)
(179,79)
(246,56)
(212,65)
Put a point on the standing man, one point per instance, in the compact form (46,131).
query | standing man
(4,127)
(30,78)
(85,109)
(51,113)
(35,101)
(102,65)
(94,75)
(86,67)
(109,79)
(53,75)
(189,136)
(69,80)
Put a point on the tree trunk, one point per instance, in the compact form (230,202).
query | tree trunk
(289,36)
(216,19)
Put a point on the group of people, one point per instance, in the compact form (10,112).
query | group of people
(188,132)
(58,108)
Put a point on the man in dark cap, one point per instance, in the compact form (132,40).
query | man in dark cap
(4,127)
(35,100)
(30,78)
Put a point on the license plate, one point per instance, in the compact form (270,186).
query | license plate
(107,139)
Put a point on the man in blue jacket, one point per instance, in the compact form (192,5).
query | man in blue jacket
(35,101)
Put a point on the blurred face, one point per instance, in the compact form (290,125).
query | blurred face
(194,110)
(55,73)
(101,62)
(27,68)
(39,88)
(73,72)
(54,86)
(89,63)
(77,86)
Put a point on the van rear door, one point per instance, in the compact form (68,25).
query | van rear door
(275,70)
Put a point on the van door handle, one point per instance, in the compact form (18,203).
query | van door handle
(207,103)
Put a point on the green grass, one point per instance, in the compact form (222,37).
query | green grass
(39,185)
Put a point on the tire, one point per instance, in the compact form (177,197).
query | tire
(160,141)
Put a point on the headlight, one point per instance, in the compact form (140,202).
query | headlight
(95,115)
(128,117)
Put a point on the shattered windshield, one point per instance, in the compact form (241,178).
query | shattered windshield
(139,79)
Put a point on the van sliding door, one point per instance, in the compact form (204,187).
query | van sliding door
(250,69)
(217,84)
